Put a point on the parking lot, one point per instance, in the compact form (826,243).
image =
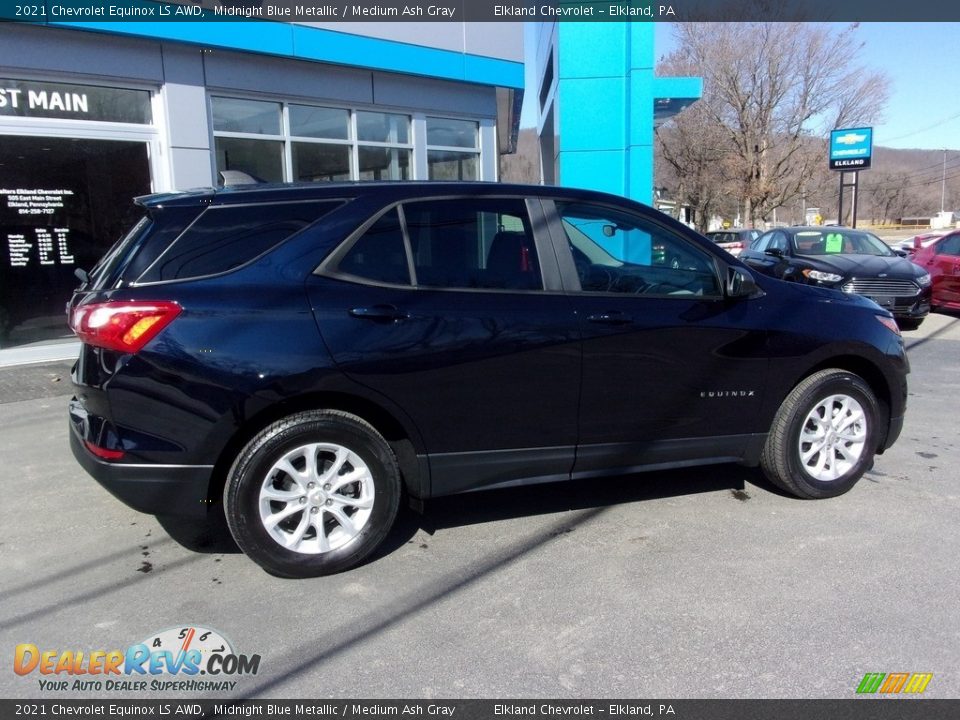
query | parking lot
(685,584)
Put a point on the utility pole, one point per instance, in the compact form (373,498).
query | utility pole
(943,181)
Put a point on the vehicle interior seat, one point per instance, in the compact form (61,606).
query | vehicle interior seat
(512,262)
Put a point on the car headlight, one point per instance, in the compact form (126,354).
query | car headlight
(924,279)
(822,276)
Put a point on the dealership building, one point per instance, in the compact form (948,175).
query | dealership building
(93,114)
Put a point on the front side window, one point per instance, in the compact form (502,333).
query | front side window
(619,252)
(949,246)
(778,241)
(478,244)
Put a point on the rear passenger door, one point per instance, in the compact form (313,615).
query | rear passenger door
(452,308)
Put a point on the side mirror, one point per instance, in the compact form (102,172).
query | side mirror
(740,283)
(774,252)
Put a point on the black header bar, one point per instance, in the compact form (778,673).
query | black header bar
(333,11)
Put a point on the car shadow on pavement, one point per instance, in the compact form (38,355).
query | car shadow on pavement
(557,497)
(209,535)
(212,536)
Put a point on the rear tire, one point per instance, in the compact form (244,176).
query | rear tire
(824,436)
(312,494)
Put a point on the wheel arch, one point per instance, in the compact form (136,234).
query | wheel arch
(402,440)
(872,375)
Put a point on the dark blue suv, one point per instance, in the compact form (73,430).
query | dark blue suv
(311,354)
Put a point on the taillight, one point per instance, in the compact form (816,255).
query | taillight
(103,453)
(889,322)
(120,325)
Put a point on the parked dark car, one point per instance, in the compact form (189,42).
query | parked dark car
(733,241)
(852,261)
(307,355)
(942,260)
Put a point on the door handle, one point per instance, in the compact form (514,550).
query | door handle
(379,313)
(611,318)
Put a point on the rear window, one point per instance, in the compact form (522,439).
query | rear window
(102,273)
(225,237)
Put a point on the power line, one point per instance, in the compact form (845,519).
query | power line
(938,123)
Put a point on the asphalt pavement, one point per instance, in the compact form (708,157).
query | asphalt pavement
(702,583)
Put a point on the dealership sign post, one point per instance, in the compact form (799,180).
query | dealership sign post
(851,150)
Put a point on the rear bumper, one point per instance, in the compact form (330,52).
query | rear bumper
(154,489)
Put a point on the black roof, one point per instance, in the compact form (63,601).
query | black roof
(388,191)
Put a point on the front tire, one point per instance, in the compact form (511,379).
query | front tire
(824,436)
(312,494)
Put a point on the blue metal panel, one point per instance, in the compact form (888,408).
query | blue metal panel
(319,45)
(593,114)
(678,87)
(606,97)
(592,50)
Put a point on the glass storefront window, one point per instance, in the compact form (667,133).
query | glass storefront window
(319,162)
(261,159)
(382,163)
(445,158)
(383,127)
(246,116)
(447,132)
(449,165)
(63,204)
(323,144)
(319,122)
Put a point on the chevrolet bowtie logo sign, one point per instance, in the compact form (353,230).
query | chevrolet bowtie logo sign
(851,148)
(850,139)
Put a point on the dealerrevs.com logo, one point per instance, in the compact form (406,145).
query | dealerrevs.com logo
(170,660)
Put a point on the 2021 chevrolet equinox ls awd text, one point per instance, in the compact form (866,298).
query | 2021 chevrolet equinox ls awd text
(311,354)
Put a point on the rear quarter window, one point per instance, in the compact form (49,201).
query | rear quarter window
(225,237)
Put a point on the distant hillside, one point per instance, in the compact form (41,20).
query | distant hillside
(901,183)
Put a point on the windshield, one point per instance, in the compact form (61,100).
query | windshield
(839,241)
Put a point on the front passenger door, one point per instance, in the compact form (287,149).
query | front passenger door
(672,369)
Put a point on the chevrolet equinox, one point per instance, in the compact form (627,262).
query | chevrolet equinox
(308,355)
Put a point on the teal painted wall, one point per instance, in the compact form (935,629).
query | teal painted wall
(605,100)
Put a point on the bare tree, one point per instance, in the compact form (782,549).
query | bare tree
(695,158)
(775,90)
